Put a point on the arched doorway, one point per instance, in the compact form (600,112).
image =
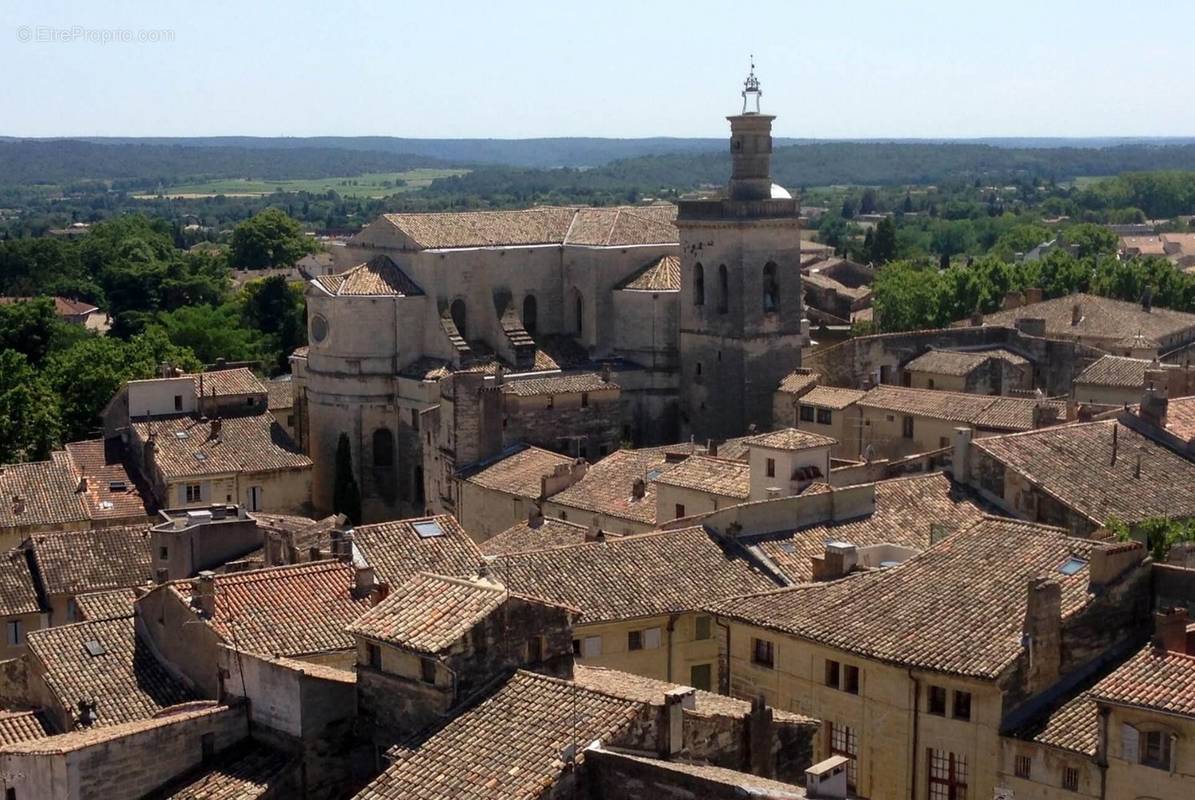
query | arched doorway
(530,322)
(460,318)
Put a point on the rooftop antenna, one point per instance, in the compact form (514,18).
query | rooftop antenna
(751,90)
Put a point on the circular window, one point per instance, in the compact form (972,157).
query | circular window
(319,328)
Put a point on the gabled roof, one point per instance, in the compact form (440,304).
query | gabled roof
(1119,371)
(226,382)
(797,382)
(524,536)
(958,608)
(247,771)
(23,726)
(832,397)
(791,439)
(281,394)
(398,550)
(108,604)
(510,746)
(111,492)
(17,592)
(710,474)
(1073,726)
(1157,679)
(73,562)
(47,495)
(566,383)
(295,610)
(1101,318)
(255,443)
(123,676)
(1074,464)
(660,275)
(633,576)
(960,362)
(83,738)
(606,487)
(518,472)
(983,411)
(378,277)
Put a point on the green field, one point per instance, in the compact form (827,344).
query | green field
(369,184)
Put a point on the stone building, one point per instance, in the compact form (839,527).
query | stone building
(455,335)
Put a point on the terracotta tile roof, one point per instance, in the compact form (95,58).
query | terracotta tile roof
(301,352)
(958,607)
(1180,417)
(1118,371)
(1102,318)
(549,532)
(603,227)
(510,746)
(660,275)
(606,486)
(281,395)
(47,495)
(111,492)
(124,677)
(797,382)
(302,533)
(246,444)
(1143,245)
(227,382)
(63,306)
(572,382)
(718,476)
(379,276)
(982,411)
(825,282)
(246,772)
(960,362)
(1074,726)
(294,610)
(74,562)
(735,783)
(17,592)
(397,551)
(1157,679)
(791,439)
(1073,463)
(517,472)
(633,576)
(905,511)
(832,397)
(108,604)
(87,737)
(23,726)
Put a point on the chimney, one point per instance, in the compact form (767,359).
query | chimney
(18,504)
(759,738)
(1033,295)
(838,559)
(977,318)
(594,532)
(342,544)
(535,516)
(1155,404)
(1111,560)
(82,487)
(1042,632)
(1012,299)
(638,489)
(217,429)
(711,447)
(1076,314)
(203,594)
(1115,441)
(675,702)
(1170,630)
(960,456)
(364,581)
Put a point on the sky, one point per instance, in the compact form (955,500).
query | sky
(515,69)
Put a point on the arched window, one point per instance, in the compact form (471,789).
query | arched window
(723,289)
(383,448)
(698,285)
(459,318)
(771,288)
(529,312)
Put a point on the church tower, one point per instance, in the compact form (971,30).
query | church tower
(741,328)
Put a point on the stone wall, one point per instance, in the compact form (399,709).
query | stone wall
(14,683)
(609,775)
(565,425)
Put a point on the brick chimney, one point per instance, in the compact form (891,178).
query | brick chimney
(1042,632)
(217,430)
(1012,299)
(594,532)
(203,594)
(535,516)
(759,738)
(1076,314)
(364,580)
(960,455)
(837,561)
(1033,295)
(1170,630)
(638,489)
(1155,403)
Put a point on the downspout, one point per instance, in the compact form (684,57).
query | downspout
(671,629)
(916,721)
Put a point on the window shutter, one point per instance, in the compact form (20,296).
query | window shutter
(1173,752)
(1128,744)
(651,638)
(592,647)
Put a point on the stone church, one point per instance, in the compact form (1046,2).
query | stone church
(458,335)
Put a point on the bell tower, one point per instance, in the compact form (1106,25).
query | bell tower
(741,317)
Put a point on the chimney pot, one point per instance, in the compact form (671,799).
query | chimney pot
(1170,629)
(203,594)
(364,581)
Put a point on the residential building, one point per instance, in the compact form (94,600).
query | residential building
(21,608)
(830,411)
(76,312)
(396,551)
(1119,380)
(280,401)
(538,533)
(617,494)
(997,371)
(71,563)
(494,494)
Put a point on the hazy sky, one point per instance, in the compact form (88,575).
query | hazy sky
(505,68)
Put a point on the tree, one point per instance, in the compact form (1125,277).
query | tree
(848,208)
(346,496)
(279,311)
(907,296)
(883,247)
(269,239)
(1091,240)
(908,204)
(1159,533)
(29,424)
(867,203)
(210,332)
(29,327)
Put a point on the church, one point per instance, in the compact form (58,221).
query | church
(451,337)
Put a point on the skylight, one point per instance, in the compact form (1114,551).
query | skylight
(428,529)
(94,648)
(1072,565)
(117,486)
(652,474)
(180,434)
(200,456)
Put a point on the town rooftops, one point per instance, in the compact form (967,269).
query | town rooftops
(105,661)
(23,726)
(517,471)
(791,439)
(400,549)
(960,362)
(187,446)
(1072,726)
(958,608)
(558,225)
(86,737)
(1092,468)
(1119,371)
(246,771)
(608,486)
(107,604)
(378,277)
(1155,678)
(104,485)
(907,513)
(712,475)
(660,275)
(294,610)
(73,562)
(429,613)
(17,592)
(832,397)
(512,745)
(633,576)
(798,381)
(568,383)
(1180,417)
(281,394)
(986,412)
(545,532)
(226,382)
(39,493)
(1099,318)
